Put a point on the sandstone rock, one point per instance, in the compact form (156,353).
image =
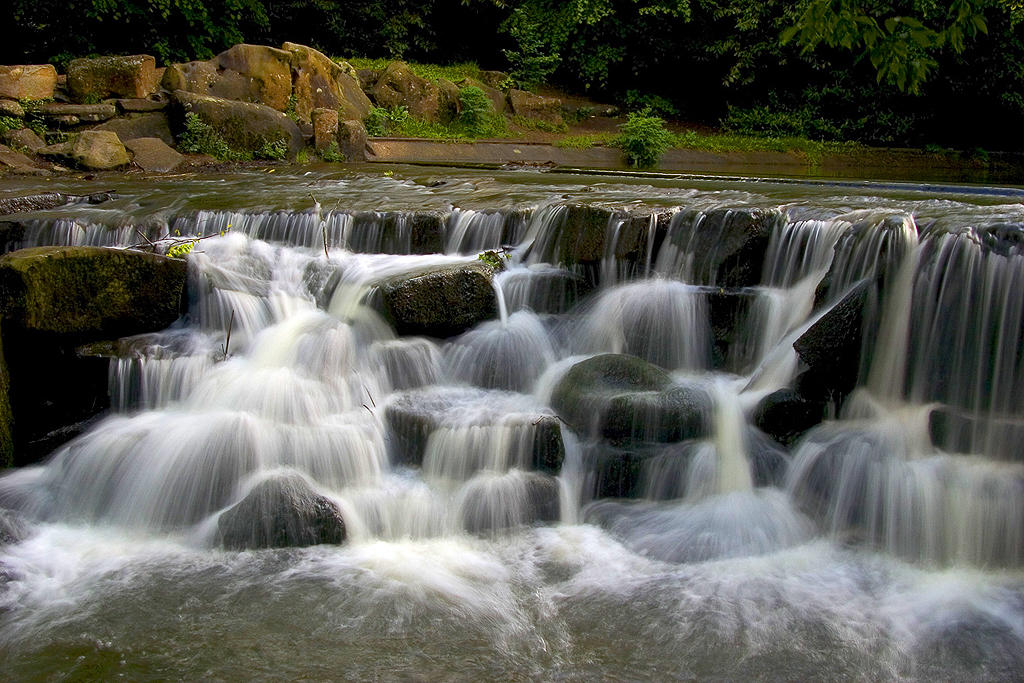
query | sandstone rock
(18,163)
(536,107)
(283,512)
(99,150)
(87,113)
(243,125)
(138,105)
(318,82)
(450,105)
(28,81)
(64,121)
(154,125)
(60,151)
(325,128)
(153,155)
(121,76)
(352,140)
(12,108)
(398,86)
(24,138)
(248,73)
(442,302)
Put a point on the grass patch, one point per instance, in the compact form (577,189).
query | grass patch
(814,150)
(431,72)
(537,124)
(398,122)
(587,141)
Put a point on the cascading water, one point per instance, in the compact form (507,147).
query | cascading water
(574,485)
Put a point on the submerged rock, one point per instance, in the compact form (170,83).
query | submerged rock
(623,398)
(283,512)
(831,347)
(442,302)
(720,247)
(492,503)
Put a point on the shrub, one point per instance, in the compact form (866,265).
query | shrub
(644,139)
(477,112)
(199,138)
(10,123)
(332,153)
(380,121)
(656,104)
(272,150)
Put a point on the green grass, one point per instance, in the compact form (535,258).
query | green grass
(587,141)
(537,124)
(814,150)
(432,72)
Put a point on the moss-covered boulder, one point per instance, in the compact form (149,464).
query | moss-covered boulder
(625,399)
(441,302)
(283,512)
(244,126)
(248,73)
(112,76)
(398,86)
(318,81)
(90,292)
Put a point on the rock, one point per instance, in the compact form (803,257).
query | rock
(87,113)
(153,125)
(16,162)
(957,431)
(536,107)
(319,82)
(548,446)
(89,291)
(494,79)
(398,232)
(12,108)
(99,150)
(450,105)
(492,503)
(28,81)
(60,151)
(153,155)
(729,312)
(119,76)
(138,105)
(442,302)
(283,512)
(725,247)
(625,399)
(47,200)
(24,138)
(243,126)
(398,86)
(614,472)
(64,121)
(367,77)
(831,347)
(7,439)
(325,128)
(785,415)
(248,73)
(352,140)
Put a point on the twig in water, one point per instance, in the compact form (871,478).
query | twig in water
(369,395)
(227,341)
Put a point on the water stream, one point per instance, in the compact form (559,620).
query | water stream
(872,547)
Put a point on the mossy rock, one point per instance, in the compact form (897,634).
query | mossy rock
(625,399)
(243,126)
(90,292)
(121,76)
(442,302)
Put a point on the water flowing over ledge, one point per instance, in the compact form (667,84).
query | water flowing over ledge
(751,421)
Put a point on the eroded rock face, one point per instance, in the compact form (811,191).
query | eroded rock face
(283,512)
(442,302)
(28,81)
(243,125)
(318,81)
(248,73)
(117,76)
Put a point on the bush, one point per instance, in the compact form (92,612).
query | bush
(331,153)
(644,139)
(380,121)
(477,112)
(199,138)
(272,150)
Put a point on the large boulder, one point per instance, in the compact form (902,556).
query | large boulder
(28,81)
(89,292)
(249,73)
(325,128)
(283,512)
(831,347)
(398,86)
(318,81)
(441,302)
(99,150)
(352,140)
(536,107)
(153,125)
(117,76)
(625,399)
(153,155)
(244,126)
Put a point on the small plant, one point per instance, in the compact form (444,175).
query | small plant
(380,121)
(290,111)
(272,150)
(331,153)
(644,139)
(10,123)
(200,138)
(181,250)
(493,259)
(477,112)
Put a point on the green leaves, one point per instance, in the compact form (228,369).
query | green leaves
(644,139)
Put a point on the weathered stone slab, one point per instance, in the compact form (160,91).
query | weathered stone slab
(28,81)
(121,76)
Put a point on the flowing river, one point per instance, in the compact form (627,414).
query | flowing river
(874,546)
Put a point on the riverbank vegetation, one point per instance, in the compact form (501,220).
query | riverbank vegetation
(893,72)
